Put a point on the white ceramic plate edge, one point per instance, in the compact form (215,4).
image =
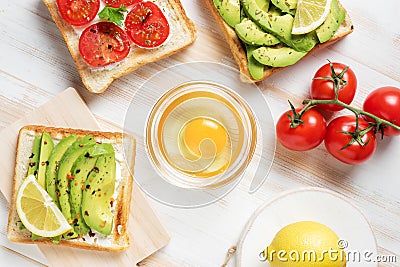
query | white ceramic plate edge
(284,194)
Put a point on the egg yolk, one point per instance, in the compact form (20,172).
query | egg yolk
(204,137)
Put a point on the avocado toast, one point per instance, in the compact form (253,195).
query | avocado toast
(87,177)
(260,37)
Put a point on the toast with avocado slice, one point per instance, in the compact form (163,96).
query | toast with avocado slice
(87,176)
(258,57)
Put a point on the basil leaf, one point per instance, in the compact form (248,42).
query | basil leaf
(113,14)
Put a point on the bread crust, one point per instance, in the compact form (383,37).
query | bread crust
(183,34)
(239,52)
(120,235)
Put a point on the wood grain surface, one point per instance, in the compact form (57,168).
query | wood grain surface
(35,66)
(146,232)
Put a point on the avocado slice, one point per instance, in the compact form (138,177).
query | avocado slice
(277,57)
(79,147)
(34,158)
(287,6)
(242,15)
(280,26)
(335,17)
(229,11)
(52,169)
(42,148)
(256,69)
(217,4)
(81,169)
(33,167)
(263,4)
(46,147)
(273,10)
(97,195)
(251,34)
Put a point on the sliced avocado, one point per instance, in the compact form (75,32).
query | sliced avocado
(335,17)
(242,14)
(280,26)
(273,10)
(256,69)
(277,57)
(263,4)
(97,196)
(217,4)
(251,34)
(79,147)
(42,148)
(287,6)
(52,168)
(229,11)
(34,158)
(81,169)
(46,147)
(308,40)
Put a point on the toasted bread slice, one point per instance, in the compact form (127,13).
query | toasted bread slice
(239,52)
(182,34)
(119,238)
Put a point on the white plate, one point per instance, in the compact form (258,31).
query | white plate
(308,204)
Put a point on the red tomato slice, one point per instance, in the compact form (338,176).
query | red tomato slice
(118,3)
(103,43)
(146,25)
(78,12)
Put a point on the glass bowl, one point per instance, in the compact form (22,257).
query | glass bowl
(200,135)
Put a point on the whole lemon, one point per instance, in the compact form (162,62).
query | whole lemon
(305,244)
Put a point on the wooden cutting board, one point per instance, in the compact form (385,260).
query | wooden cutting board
(146,232)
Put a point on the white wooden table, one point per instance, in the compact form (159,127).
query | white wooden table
(35,65)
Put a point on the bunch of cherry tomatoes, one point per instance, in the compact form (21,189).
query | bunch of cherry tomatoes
(349,138)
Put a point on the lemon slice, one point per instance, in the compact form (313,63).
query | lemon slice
(38,212)
(310,14)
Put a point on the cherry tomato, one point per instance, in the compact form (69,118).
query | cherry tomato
(324,89)
(78,12)
(306,135)
(103,43)
(336,139)
(384,102)
(146,25)
(118,3)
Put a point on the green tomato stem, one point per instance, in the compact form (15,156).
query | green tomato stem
(313,102)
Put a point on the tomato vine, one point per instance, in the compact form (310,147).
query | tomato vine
(350,139)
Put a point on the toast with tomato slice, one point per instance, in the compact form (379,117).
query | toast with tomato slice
(106,52)
(238,47)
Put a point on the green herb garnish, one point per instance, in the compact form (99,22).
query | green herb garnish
(113,14)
